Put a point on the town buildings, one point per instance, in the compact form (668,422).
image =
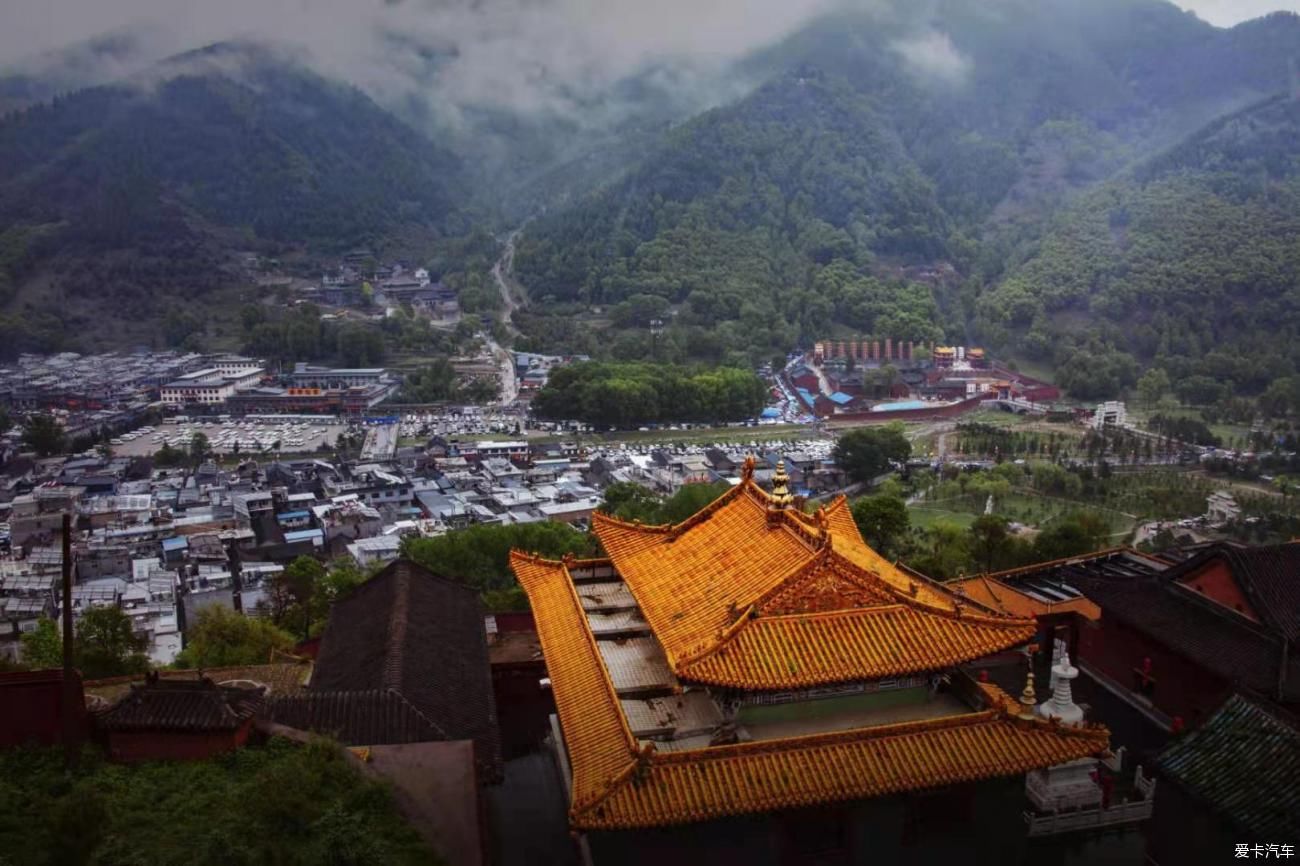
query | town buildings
(212,385)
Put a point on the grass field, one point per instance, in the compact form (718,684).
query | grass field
(928,517)
(1021,507)
(1225,432)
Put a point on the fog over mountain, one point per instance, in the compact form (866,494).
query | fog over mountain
(552,57)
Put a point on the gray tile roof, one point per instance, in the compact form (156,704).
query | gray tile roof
(1244,763)
(411,632)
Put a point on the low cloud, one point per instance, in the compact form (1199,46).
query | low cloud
(932,55)
(546,56)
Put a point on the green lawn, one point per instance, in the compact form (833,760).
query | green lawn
(927,517)
(1021,507)
(1225,432)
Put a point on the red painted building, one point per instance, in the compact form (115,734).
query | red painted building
(1182,641)
(524,706)
(32,703)
(188,720)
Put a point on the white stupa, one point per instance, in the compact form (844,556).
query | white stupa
(1063,786)
(1061,705)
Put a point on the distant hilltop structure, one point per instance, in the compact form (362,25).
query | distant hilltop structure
(868,350)
(908,351)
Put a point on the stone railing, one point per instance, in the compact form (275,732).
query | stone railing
(1066,817)
(1085,819)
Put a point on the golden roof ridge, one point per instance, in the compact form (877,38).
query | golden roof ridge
(995,619)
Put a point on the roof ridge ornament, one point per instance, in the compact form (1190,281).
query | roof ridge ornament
(781,495)
(747,468)
(1027,698)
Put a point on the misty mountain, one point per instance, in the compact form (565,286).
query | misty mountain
(233,136)
(136,192)
(1189,262)
(936,140)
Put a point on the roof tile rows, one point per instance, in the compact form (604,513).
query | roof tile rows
(617,783)
(753,597)
(1243,762)
(421,636)
(188,706)
(361,718)
(1247,654)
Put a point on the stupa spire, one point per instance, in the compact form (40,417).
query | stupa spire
(1061,705)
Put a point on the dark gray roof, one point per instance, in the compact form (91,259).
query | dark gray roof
(1243,763)
(1245,653)
(377,717)
(195,706)
(422,636)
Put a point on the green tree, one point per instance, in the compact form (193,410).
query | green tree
(883,521)
(5,421)
(43,434)
(279,802)
(292,595)
(990,540)
(628,500)
(220,637)
(167,456)
(480,555)
(1153,385)
(200,448)
(689,499)
(867,452)
(944,552)
(1072,535)
(43,648)
(107,645)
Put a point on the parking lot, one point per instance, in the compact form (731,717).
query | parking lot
(253,435)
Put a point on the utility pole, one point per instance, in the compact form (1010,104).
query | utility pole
(236,578)
(70,712)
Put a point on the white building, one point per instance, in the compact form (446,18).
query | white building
(1112,414)
(211,385)
(1221,507)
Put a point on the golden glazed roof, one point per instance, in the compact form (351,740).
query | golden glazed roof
(616,783)
(750,594)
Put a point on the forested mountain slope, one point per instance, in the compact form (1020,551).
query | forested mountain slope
(1190,262)
(125,199)
(935,142)
(762,218)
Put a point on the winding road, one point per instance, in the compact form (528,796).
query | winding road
(501,272)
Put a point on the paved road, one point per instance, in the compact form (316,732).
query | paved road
(381,443)
(501,272)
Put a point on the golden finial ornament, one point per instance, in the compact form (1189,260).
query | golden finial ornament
(781,495)
(1027,697)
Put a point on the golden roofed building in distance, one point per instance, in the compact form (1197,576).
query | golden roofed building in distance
(756,659)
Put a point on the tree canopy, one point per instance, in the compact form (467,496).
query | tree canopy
(104,645)
(280,803)
(867,452)
(628,500)
(626,395)
(43,434)
(220,637)
(480,555)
